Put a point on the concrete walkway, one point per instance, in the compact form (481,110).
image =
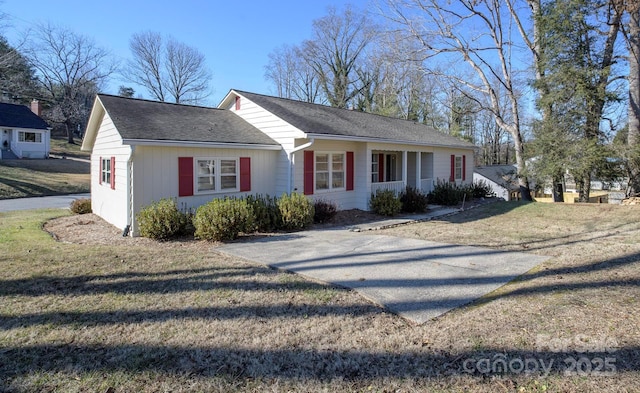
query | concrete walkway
(45,202)
(416,279)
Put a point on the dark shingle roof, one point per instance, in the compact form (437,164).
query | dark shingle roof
(503,175)
(19,116)
(321,119)
(161,121)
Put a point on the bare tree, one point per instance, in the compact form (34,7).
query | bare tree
(145,67)
(291,76)
(633,136)
(167,68)
(70,69)
(334,52)
(472,32)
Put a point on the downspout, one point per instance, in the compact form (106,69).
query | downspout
(129,229)
(290,157)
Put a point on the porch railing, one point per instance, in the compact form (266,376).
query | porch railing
(426,185)
(395,186)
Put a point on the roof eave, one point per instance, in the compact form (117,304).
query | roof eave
(382,140)
(95,118)
(222,145)
(226,98)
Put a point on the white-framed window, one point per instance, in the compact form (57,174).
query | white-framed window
(330,171)
(458,168)
(375,168)
(216,175)
(29,137)
(105,171)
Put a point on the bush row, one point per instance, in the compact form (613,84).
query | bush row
(412,200)
(449,194)
(227,218)
(387,203)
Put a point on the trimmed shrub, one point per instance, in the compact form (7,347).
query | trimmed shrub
(223,219)
(266,214)
(296,211)
(161,220)
(446,193)
(324,211)
(385,203)
(81,206)
(482,189)
(413,200)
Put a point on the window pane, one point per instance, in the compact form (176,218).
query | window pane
(206,183)
(206,167)
(228,182)
(322,162)
(338,160)
(322,181)
(39,138)
(228,167)
(337,180)
(458,167)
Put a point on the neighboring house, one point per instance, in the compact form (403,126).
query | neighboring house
(502,179)
(254,144)
(24,133)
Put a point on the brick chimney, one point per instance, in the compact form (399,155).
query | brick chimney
(36,107)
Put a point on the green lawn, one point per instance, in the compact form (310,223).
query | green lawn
(179,316)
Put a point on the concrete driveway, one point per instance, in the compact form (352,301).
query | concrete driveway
(416,279)
(45,202)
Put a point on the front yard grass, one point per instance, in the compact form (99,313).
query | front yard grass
(181,317)
(27,178)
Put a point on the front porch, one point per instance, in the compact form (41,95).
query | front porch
(395,170)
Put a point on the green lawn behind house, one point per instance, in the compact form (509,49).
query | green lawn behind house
(28,178)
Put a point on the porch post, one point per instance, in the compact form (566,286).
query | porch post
(419,171)
(404,167)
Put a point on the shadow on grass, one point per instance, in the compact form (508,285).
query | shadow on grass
(325,365)
(51,165)
(242,364)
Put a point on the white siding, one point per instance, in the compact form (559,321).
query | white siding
(500,191)
(356,199)
(276,128)
(110,204)
(155,174)
(30,149)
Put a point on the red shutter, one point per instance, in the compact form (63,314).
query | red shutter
(308,172)
(113,173)
(237,103)
(381,168)
(464,167)
(452,178)
(349,171)
(185,176)
(100,171)
(245,174)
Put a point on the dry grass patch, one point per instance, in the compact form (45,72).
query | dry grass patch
(147,316)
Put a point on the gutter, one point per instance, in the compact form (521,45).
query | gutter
(386,140)
(227,145)
(290,167)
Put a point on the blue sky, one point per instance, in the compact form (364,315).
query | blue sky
(236,37)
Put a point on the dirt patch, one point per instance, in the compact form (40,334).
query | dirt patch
(92,229)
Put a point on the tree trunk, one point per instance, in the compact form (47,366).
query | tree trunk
(69,132)
(523,182)
(558,189)
(583,182)
(633,138)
